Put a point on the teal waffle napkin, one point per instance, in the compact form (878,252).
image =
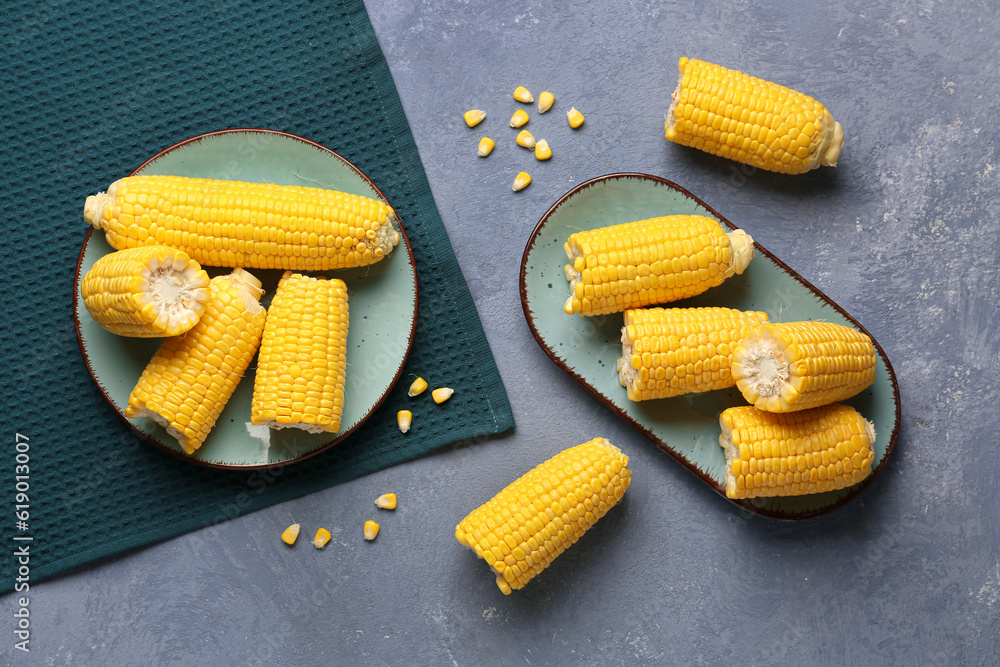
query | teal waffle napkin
(86,100)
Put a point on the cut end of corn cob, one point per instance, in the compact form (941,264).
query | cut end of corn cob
(575,118)
(521,94)
(386,501)
(417,387)
(322,537)
(545,100)
(672,351)
(525,139)
(146,292)
(812,451)
(291,534)
(802,365)
(650,262)
(403,419)
(442,394)
(521,530)
(474,117)
(542,150)
(371,530)
(521,181)
(519,118)
(733,115)
(485,146)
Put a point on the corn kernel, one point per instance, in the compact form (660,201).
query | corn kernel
(575,118)
(291,534)
(371,530)
(403,419)
(521,94)
(442,394)
(322,537)
(474,117)
(545,101)
(386,501)
(542,150)
(521,181)
(525,138)
(485,147)
(519,118)
(418,386)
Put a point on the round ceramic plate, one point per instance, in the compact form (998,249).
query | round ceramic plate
(686,427)
(382,300)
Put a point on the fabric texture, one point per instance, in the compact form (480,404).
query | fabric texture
(91,91)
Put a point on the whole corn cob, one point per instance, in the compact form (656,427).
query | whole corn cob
(750,120)
(673,351)
(250,225)
(191,377)
(145,292)
(651,261)
(812,451)
(521,530)
(303,356)
(802,365)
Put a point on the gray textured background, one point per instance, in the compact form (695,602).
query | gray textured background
(903,234)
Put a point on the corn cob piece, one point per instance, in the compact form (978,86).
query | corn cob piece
(191,377)
(651,261)
(145,292)
(672,351)
(802,365)
(303,356)
(750,120)
(250,225)
(522,529)
(768,454)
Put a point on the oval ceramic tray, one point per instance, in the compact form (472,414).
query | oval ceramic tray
(382,301)
(686,427)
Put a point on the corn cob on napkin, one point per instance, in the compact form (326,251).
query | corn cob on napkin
(311,69)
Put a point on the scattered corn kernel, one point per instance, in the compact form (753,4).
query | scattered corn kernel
(386,501)
(322,537)
(485,146)
(474,117)
(545,101)
(521,94)
(442,394)
(575,118)
(525,138)
(542,150)
(521,181)
(291,534)
(519,118)
(371,530)
(418,386)
(404,418)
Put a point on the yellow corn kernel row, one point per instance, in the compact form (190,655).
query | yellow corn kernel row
(750,120)
(672,351)
(802,365)
(650,262)
(796,453)
(522,529)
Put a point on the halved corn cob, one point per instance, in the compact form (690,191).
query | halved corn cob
(651,261)
(521,530)
(802,365)
(750,120)
(191,377)
(303,356)
(812,451)
(250,225)
(145,292)
(673,351)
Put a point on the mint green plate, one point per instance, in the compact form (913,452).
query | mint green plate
(686,427)
(382,301)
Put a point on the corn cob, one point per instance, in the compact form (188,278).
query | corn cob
(250,225)
(750,120)
(651,261)
(145,292)
(521,530)
(191,377)
(802,365)
(303,356)
(673,351)
(812,451)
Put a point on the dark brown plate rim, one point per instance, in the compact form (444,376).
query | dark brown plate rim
(340,436)
(746,505)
